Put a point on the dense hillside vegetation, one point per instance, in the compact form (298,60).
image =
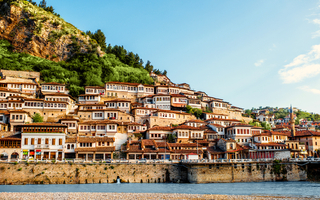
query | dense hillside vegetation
(81,70)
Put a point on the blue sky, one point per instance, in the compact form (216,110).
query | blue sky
(249,53)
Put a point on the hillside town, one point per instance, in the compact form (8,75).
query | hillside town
(41,121)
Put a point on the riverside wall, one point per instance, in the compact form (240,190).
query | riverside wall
(245,172)
(42,173)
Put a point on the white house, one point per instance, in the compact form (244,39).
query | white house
(43,140)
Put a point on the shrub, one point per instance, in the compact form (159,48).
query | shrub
(19,169)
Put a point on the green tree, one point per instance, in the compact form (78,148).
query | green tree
(43,4)
(265,125)
(197,112)
(171,138)
(37,118)
(255,123)
(189,109)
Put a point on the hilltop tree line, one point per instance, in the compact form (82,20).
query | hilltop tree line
(81,70)
(129,58)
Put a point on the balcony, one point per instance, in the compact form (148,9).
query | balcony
(41,146)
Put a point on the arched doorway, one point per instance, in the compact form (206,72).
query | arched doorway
(14,155)
(3,156)
(146,122)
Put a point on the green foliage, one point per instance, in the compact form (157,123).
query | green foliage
(37,118)
(195,111)
(255,123)
(81,70)
(131,59)
(208,110)
(281,114)
(171,138)
(305,115)
(137,135)
(266,125)
(99,37)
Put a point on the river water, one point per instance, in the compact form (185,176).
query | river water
(303,189)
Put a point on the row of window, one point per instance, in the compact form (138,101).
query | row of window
(239,131)
(49,105)
(119,104)
(87,98)
(57,99)
(70,125)
(16,117)
(91,108)
(3,94)
(24,86)
(34,141)
(165,107)
(167,115)
(97,91)
(4,144)
(196,135)
(161,99)
(155,135)
(181,100)
(99,127)
(60,88)
(44,129)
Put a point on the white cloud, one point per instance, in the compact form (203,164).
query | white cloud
(308,89)
(303,66)
(316,34)
(316,21)
(259,62)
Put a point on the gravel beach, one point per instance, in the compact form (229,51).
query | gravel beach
(84,195)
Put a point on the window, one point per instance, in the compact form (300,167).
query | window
(60,141)
(32,141)
(26,141)
(47,141)
(53,141)
(39,140)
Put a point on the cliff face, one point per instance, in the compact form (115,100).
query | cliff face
(32,30)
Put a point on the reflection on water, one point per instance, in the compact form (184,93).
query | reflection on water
(306,189)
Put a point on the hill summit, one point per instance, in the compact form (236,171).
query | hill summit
(33,30)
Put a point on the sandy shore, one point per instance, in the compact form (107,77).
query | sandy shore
(85,195)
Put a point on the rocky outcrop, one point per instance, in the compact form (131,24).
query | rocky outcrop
(32,30)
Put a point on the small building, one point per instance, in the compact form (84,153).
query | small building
(53,87)
(43,140)
(10,147)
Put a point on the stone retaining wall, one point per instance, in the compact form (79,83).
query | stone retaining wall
(87,173)
(245,172)
(41,173)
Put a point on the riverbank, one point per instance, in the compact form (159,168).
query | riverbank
(80,195)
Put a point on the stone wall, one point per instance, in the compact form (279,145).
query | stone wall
(87,173)
(20,74)
(244,172)
(35,173)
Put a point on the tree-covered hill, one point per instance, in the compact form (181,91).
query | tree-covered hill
(81,70)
